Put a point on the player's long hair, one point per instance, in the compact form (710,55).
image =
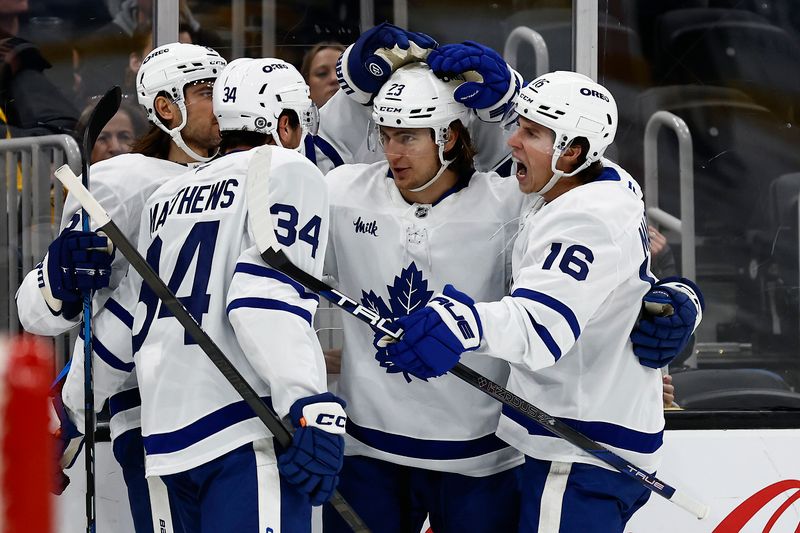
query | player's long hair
(154,143)
(462,153)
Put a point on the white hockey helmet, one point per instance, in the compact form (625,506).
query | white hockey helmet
(167,70)
(414,97)
(251,94)
(572,105)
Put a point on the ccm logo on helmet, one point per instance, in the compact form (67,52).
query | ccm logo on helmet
(591,92)
(330,420)
(387,109)
(276,66)
(154,54)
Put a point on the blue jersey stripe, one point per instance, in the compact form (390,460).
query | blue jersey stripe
(608,174)
(425,448)
(120,312)
(643,275)
(556,305)
(122,401)
(602,432)
(269,303)
(107,356)
(266,272)
(547,339)
(311,154)
(200,429)
(326,148)
(504,168)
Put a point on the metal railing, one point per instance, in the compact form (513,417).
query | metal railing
(31,202)
(685,224)
(524,34)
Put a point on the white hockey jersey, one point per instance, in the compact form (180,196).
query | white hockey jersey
(581,267)
(394,256)
(121,185)
(195,233)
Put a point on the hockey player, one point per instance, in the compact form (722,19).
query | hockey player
(580,268)
(426,197)
(216,458)
(417,218)
(175,87)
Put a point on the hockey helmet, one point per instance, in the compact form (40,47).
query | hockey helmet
(251,94)
(168,69)
(572,105)
(414,97)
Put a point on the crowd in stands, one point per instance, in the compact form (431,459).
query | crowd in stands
(57,60)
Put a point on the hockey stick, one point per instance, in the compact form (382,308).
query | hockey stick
(273,256)
(218,358)
(105,109)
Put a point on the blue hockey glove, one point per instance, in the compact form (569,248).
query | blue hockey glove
(75,261)
(491,84)
(68,442)
(367,64)
(671,311)
(313,461)
(433,337)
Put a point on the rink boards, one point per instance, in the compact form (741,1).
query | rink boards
(723,468)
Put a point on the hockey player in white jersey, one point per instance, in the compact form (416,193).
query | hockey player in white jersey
(418,217)
(216,458)
(580,269)
(175,86)
(399,229)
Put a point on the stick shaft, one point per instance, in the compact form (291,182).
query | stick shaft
(214,353)
(279,261)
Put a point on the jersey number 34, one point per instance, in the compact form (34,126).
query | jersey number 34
(201,243)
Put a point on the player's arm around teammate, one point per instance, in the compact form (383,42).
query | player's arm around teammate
(581,268)
(411,214)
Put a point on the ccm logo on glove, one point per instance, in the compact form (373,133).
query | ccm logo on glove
(324,415)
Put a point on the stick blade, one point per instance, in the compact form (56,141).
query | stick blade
(105,109)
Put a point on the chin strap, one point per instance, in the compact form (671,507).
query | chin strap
(558,174)
(438,174)
(178,140)
(175,135)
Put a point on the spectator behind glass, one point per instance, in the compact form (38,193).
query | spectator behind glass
(29,103)
(102,55)
(119,134)
(319,70)
(10,10)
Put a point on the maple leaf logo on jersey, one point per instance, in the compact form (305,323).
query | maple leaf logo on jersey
(407,294)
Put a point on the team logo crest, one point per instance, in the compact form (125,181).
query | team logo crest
(375,69)
(408,293)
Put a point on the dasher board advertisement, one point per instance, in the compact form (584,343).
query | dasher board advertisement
(750,478)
